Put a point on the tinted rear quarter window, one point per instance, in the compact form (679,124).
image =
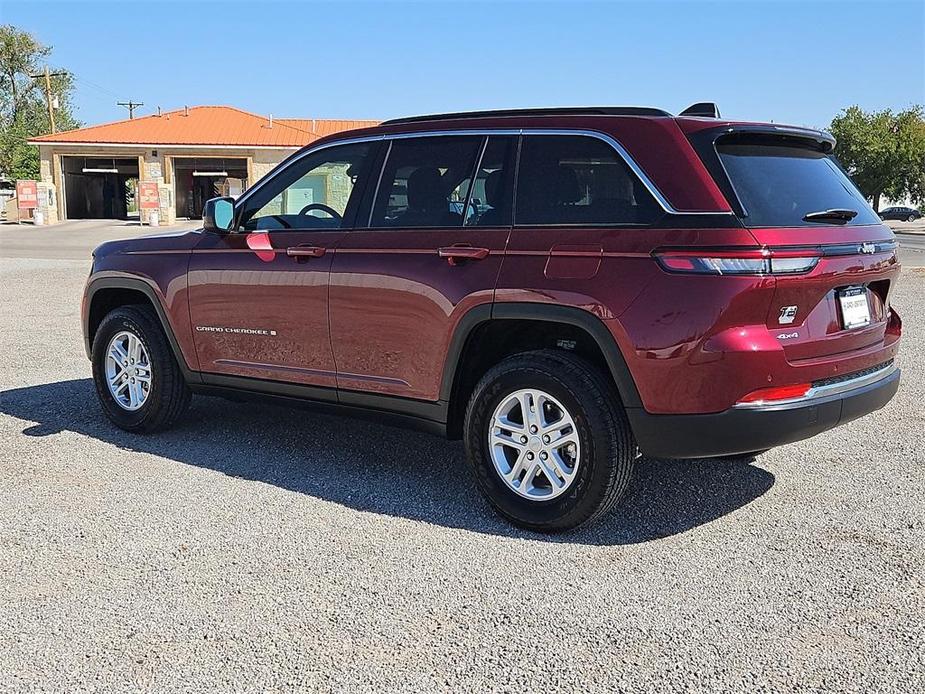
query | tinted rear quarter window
(777,185)
(578,180)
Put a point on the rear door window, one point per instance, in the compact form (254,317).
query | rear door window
(779,185)
(578,180)
(425,182)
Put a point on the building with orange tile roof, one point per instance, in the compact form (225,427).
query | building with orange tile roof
(191,153)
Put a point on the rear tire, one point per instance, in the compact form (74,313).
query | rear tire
(910,218)
(552,387)
(167,395)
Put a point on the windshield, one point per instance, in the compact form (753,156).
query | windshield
(787,185)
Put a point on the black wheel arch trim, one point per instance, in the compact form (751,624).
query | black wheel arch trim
(139,285)
(570,315)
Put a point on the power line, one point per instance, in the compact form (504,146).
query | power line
(131,106)
(99,91)
(101,88)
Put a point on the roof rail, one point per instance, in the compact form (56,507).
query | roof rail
(703,109)
(513,112)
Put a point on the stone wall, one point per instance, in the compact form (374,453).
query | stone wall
(47,188)
(263,161)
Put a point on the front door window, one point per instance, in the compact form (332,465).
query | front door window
(312,194)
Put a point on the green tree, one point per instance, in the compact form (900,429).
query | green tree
(23,109)
(883,151)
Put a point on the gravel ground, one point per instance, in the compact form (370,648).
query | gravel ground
(256,548)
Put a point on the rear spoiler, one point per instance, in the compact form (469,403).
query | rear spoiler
(824,140)
(708,109)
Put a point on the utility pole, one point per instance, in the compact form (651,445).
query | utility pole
(51,111)
(131,106)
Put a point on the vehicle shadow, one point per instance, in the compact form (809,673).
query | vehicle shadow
(381,469)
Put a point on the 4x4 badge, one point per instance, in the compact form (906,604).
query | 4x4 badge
(787,314)
(867,248)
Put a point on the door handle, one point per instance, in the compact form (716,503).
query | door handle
(459,254)
(298,252)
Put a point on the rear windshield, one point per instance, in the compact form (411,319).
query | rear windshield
(779,185)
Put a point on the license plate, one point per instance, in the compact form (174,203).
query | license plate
(855,312)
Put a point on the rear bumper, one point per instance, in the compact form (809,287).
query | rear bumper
(745,430)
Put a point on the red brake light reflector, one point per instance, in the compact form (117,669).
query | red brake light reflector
(776,393)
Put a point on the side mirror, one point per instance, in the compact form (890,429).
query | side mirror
(218,215)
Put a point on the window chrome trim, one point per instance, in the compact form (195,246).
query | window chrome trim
(579,132)
(473,178)
(372,203)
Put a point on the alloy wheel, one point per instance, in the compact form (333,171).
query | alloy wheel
(534,444)
(128,370)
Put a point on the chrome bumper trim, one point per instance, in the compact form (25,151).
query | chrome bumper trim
(824,391)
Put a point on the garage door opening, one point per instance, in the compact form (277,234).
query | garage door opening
(200,179)
(97,188)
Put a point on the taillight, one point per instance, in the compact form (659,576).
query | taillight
(793,261)
(894,324)
(764,396)
(750,261)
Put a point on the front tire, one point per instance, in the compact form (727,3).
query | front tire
(138,382)
(910,218)
(548,441)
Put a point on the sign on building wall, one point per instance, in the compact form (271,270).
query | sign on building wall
(148,198)
(27,195)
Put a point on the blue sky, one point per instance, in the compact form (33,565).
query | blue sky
(796,62)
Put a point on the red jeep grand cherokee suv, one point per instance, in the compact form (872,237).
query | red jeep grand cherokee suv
(561,288)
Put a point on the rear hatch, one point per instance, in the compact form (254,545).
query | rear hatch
(834,261)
